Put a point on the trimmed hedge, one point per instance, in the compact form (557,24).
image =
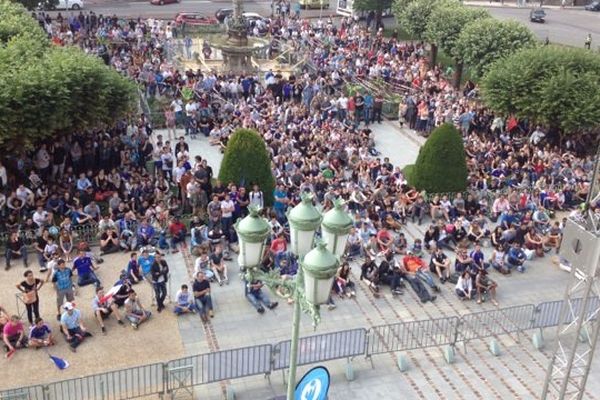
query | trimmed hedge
(441,165)
(246,162)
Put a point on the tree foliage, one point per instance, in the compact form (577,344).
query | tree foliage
(486,40)
(440,165)
(247,162)
(555,86)
(46,90)
(446,23)
(413,15)
(371,5)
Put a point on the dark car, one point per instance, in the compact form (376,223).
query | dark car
(162,2)
(537,15)
(593,6)
(223,13)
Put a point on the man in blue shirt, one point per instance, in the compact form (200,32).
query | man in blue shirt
(516,258)
(72,327)
(280,203)
(63,284)
(145,234)
(85,268)
(145,262)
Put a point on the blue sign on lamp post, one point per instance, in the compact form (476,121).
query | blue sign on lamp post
(314,385)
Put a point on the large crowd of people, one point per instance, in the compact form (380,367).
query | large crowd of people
(134,190)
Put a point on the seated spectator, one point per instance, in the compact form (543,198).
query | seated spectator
(416,266)
(40,335)
(343,285)
(384,241)
(85,268)
(417,248)
(440,263)
(13,335)
(184,301)
(475,234)
(109,241)
(463,261)
(516,257)
(478,257)
(484,284)
(370,274)
(498,260)
(258,297)
(133,269)
(553,238)
(15,248)
(278,245)
(418,209)
(415,283)
(72,327)
(178,231)
(534,242)
(202,297)
(202,263)
(135,311)
(103,307)
(145,234)
(354,245)
(400,244)
(464,286)
(218,266)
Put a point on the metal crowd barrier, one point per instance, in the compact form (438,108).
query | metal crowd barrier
(187,372)
(412,335)
(324,347)
(184,373)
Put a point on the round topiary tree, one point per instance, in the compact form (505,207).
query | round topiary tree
(246,162)
(441,165)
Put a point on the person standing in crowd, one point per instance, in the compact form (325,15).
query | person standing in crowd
(62,279)
(30,295)
(160,277)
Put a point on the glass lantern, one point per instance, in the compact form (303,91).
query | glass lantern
(304,220)
(319,266)
(252,231)
(335,228)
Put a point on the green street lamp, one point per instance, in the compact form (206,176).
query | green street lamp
(318,265)
(335,228)
(252,231)
(304,220)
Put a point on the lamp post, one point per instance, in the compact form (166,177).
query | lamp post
(318,265)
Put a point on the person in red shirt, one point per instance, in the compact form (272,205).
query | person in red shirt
(178,231)
(278,245)
(385,241)
(417,267)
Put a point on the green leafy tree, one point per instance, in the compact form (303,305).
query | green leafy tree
(484,41)
(247,162)
(445,25)
(47,91)
(554,86)
(441,165)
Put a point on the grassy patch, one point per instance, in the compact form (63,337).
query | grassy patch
(402,34)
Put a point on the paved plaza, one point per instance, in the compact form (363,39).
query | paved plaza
(518,373)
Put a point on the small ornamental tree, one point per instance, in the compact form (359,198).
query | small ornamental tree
(441,165)
(246,162)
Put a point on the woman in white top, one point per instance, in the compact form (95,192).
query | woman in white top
(464,286)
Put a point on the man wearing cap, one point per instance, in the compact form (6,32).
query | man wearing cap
(72,327)
(63,283)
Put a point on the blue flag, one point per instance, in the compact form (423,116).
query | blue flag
(59,362)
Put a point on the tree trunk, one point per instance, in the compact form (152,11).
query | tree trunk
(458,71)
(433,54)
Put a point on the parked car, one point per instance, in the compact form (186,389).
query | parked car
(61,5)
(537,15)
(252,17)
(162,2)
(191,18)
(593,6)
(223,13)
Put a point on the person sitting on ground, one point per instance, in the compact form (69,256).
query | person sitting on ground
(534,242)
(109,241)
(440,263)
(478,257)
(184,301)
(484,284)
(463,261)
(343,285)
(475,233)
(15,248)
(416,266)
(400,244)
(370,274)
(178,231)
(202,297)
(415,283)
(516,258)
(13,335)
(257,296)
(464,286)
(72,327)
(135,311)
(202,263)
(145,234)
(384,240)
(417,248)
(40,335)
(498,260)
(218,266)
(133,269)
(85,268)
(103,307)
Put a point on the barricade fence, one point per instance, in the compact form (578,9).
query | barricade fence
(184,373)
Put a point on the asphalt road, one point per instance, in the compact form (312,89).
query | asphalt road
(568,26)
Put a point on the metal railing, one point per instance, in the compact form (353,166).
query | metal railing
(183,374)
